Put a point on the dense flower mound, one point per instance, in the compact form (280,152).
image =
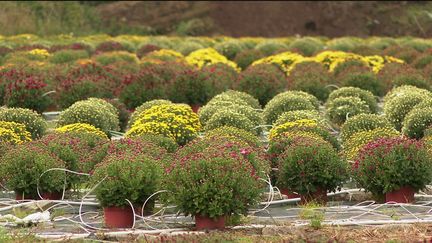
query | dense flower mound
(213,178)
(352,145)
(96,112)
(208,56)
(363,122)
(81,128)
(307,165)
(14,133)
(33,122)
(176,121)
(387,164)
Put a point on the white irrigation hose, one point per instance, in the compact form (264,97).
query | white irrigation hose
(81,204)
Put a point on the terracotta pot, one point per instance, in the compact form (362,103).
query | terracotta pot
(288,193)
(20,196)
(52,195)
(402,195)
(318,196)
(206,223)
(195,108)
(118,217)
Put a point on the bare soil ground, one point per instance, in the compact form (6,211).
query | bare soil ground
(277,18)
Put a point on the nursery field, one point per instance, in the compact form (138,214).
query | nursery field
(149,139)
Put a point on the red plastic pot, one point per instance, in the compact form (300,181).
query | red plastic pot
(288,193)
(19,196)
(118,217)
(206,223)
(318,196)
(402,195)
(195,108)
(52,195)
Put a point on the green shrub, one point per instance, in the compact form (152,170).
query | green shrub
(416,122)
(227,117)
(310,77)
(123,113)
(90,112)
(292,116)
(422,61)
(247,57)
(399,162)
(416,80)
(33,122)
(224,180)
(187,47)
(262,81)
(366,81)
(364,95)
(308,165)
(126,177)
(164,142)
(67,56)
(190,87)
(307,46)
(22,166)
(238,97)
(304,126)
(398,107)
(338,109)
(278,105)
(352,145)
(363,122)
(220,77)
(207,112)
(24,89)
(229,48)
(143,86)
(116,57)
(243,135)
(406,53)
(270,47)
(404,89)
(145,106)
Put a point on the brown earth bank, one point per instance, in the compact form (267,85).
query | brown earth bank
(277,18)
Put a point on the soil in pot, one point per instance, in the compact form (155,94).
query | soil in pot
(206,223)
(319,196)
(21,196)
(402,195)
(289,193)
(119,217)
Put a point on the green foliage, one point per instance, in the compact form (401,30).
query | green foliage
(145,106)
(270,47)
(237,97)
(339,108)
(363,122)
(227,117)
(416,80)
(22,166)
(247,57)
(307,46)
(364,95)
(126,177)
(164,142)
(98,114)
(262,81)
(230,131)
(288,101)
(33,122)
(229,48)
(387,164)
(308,164)
(416,122)
(216,181)
(366,81)
(398,107)
(67,56)
(292,116)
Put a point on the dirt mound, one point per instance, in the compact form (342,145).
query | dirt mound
(274,18)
